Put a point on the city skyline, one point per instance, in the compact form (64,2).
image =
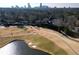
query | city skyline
(24,3)
(51,5)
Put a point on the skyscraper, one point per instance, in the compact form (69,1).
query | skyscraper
(24,6)
(17,6)
(29,6)
(40,5)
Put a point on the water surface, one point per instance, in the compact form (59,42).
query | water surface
(20,48)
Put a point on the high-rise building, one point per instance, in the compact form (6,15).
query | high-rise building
(24,6)
(12,6)
(17,6)
(40,4)
(29,6)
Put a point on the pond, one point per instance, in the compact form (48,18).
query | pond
(19,48)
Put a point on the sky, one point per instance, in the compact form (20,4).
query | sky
(35,3)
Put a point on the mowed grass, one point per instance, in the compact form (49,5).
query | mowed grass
(46,44)
(40,41)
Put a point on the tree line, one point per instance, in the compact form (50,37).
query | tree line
(65,19)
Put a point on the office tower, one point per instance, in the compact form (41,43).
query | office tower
(40,5)
(29,6)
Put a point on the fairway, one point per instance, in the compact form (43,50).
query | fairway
(28,35)
(70,46)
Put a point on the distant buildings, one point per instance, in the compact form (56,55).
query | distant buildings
(12,7)
(24,6)
(17,6)
(29,6)
(40,5)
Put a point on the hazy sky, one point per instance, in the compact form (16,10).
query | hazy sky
(9,3)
